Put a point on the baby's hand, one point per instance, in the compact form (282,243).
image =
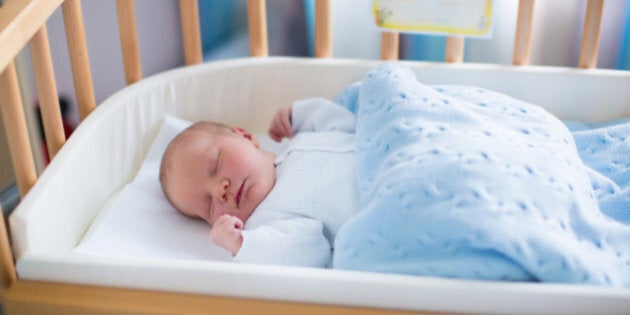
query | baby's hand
(281,125)
(226,232)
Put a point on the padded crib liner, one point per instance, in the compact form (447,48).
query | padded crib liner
(106,152)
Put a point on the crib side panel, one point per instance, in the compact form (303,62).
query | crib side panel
(586,95)
(28,297)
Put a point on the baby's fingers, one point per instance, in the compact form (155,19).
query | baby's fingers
(275,134)
(285,120)
(281,125)
(238,224)
(275,131)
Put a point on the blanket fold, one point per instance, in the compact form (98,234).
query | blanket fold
(469,183)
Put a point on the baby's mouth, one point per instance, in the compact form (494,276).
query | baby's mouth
(239,193)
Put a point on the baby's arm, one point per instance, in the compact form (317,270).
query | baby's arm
(311,115)
(226,232)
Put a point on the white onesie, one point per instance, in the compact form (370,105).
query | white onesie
(314,194)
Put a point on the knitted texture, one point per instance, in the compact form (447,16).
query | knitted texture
(465,182)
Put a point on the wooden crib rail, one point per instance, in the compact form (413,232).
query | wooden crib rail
(257,19)
(257,23)
(191,33)
(454,49)
(390,45)
(47,89)
(26,16)
(79,61)
(23,21)
(323,29)
(16,130)
(19,20)
(191,36)
(454,45)
(590,35)
(523,37)
(129,40)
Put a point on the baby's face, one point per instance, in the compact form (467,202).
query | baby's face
(212,175)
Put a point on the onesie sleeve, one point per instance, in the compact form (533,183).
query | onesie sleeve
(319,114)
(294,242)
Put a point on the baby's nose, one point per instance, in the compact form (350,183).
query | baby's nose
(222,190)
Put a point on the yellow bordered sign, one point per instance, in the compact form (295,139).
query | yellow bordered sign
(471,18)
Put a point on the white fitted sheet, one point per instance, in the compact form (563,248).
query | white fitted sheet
(108,149)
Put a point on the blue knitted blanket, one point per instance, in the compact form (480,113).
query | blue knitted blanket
(469,183)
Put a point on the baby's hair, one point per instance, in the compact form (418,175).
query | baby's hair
(202,128)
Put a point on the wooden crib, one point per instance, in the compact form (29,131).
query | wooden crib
(22,22)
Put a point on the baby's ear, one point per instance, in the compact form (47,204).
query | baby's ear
(247,135)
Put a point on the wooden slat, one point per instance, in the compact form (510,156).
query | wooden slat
(19,20)
(591,34)
(16,130)
(7,265)
(523,37)
(79,60)
(47,90)
(28,297)
(323,29)
(454,49)
(389,45)
(257,24)
(129,40)
(191,34)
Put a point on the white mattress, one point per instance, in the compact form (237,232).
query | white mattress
(106,152)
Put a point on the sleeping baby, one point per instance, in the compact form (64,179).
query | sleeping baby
(400,177)
(263,208)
